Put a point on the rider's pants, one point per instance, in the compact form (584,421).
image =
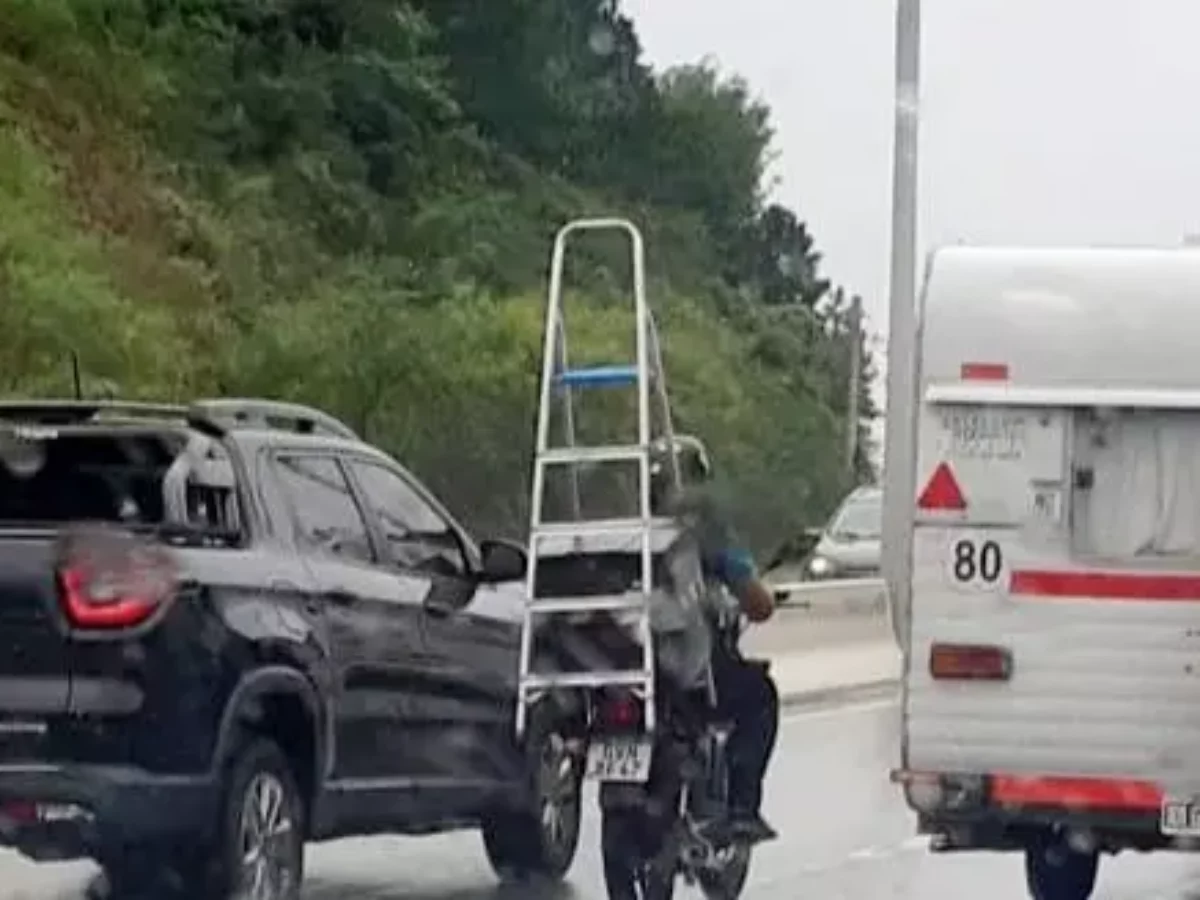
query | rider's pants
(747,695)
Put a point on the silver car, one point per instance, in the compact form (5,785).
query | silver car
(849,545)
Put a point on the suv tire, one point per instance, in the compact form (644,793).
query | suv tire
(258,851)
(539,840)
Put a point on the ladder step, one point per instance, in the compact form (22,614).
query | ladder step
(598,376)
(599,526)
(586,679)
(601,603)
(611,453)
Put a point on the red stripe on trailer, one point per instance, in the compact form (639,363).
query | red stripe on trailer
(983,371)
(1076,793)
(1124,586)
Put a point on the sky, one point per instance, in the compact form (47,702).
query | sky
(1042,121)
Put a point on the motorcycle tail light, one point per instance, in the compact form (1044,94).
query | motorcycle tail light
(621,712)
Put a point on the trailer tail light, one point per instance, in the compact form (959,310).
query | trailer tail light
(969,662)
(110,579)
(931,792)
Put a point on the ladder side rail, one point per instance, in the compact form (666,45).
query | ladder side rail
(641,320)
(568,408)
(526,668)
(549,354)
(664,403)
(541,442)
(644,623)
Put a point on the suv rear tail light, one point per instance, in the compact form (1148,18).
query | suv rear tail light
(111,579)
(970,662)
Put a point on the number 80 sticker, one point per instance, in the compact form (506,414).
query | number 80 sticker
(976,563)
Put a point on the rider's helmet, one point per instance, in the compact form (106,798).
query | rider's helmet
(691,457)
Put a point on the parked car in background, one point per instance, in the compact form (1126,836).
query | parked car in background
(847,546)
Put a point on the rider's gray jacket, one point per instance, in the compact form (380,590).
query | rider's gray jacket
(684,613)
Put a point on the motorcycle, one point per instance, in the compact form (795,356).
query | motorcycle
(664,794)
(664,798)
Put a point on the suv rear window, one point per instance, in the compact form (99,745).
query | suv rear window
(54,476)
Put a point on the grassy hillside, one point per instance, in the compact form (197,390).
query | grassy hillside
(351,204)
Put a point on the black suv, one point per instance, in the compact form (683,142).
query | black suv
(233,627)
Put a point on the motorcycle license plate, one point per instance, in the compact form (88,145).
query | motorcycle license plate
(623,759)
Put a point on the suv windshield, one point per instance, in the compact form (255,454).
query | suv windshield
(860,518)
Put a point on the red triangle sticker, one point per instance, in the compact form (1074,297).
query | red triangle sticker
(942,491)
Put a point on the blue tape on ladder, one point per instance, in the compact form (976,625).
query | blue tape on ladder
(598,376)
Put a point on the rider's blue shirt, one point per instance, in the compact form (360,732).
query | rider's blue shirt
(732,566)
(721,554)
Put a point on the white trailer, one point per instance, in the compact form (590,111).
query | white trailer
(1052,675)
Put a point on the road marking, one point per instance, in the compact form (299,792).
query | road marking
(860,707)
(917,843)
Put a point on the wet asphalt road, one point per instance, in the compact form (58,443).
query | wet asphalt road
(845,833)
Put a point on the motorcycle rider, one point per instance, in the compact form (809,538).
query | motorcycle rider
(746,693)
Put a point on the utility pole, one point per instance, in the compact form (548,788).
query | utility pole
(855,386)
(899,490)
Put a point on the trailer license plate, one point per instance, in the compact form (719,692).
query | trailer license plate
(624,759)
(1180,817)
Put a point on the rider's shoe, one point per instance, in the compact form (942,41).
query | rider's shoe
(742,827)
(751,828)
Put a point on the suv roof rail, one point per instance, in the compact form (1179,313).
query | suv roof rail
(209,414)
(70,412)
(272,414)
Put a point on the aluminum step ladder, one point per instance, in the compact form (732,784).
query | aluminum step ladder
(559,383)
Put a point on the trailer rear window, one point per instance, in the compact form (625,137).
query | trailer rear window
(54,477)
(1137,484)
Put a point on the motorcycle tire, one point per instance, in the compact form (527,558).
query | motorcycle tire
(729,882)
(627,842)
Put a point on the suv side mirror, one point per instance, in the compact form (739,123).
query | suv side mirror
(502,561)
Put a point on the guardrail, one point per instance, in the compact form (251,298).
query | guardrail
(839,597)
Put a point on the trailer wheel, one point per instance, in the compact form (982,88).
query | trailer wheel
(1056,871)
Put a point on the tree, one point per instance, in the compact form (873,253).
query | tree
(709,149)
(350,203)
(777,260)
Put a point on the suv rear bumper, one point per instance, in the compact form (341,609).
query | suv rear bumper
(72,811)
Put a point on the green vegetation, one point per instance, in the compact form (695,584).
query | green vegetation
(351,202)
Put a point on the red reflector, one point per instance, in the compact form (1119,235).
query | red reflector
(942,491)
(1075,793)
(22,812)
(977,371)
(1106,585)
(969,662)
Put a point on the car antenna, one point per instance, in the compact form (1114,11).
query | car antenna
(76,379)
